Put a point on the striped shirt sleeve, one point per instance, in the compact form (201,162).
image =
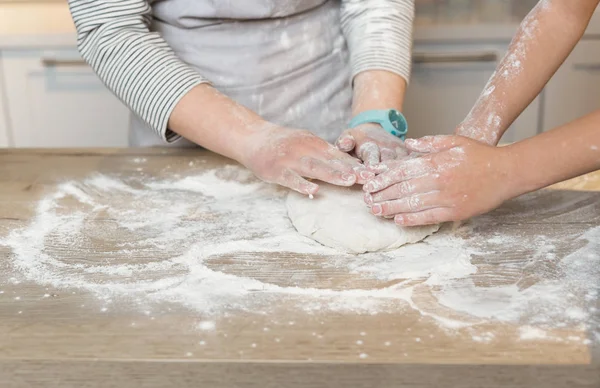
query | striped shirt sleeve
(379,34)
(135,63)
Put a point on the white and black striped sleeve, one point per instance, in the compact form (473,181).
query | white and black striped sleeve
(379,34)
(136,64)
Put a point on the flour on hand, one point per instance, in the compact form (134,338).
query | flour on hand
(338,218)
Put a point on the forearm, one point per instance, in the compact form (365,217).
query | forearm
(214,121)
(379,35)
(377,89)
(563,153)
(137,65)
(544,40)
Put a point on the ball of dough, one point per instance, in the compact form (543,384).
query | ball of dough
(338,218)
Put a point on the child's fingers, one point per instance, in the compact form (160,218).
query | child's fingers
(405,189)
(406,170)
(369,153)
(345,142)
(412,204)
(426,217)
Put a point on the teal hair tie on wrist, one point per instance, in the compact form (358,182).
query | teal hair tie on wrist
(391,120)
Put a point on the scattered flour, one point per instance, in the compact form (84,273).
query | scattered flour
(207,325)
(144,242)
(546,304)
(532,333)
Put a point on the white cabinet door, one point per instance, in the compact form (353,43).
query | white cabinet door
(4,139)
(447,80)
(574,91)
(55,100)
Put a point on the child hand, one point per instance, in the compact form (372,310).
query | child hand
(455,179)
(371,144)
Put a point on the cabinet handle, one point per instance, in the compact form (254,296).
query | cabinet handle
(454,58)
(587,66)
(56,62)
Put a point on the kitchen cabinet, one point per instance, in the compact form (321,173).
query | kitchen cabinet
(56,100)
(446,81)
(50,98)
(574,91)
(4,139)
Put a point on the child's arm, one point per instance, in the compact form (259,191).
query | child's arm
(373,90)
(379,37)
(459,178)
(544,40)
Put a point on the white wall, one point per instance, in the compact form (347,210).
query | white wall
(35,17)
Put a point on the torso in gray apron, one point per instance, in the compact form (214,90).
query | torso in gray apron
(287,60)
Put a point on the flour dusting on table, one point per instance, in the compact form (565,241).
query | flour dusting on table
(201,241)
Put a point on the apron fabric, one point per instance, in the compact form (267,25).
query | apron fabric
(286,60)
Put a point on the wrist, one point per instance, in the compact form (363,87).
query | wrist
(390,120)
(482,133)
(378,89)
(521,176)
(252,137)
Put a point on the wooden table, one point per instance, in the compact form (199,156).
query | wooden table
(59,337)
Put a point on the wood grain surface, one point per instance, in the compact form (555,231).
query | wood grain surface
(65,340)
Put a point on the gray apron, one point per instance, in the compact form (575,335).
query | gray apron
(287,60)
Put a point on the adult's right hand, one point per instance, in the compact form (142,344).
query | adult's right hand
(287,156)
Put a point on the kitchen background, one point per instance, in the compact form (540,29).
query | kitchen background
(49,97)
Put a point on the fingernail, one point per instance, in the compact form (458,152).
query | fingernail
(377,210)
(366,175)
(410,142)
(348,177)
(368,199)
(399,220)
(371,186)
(344,145)
(311,190)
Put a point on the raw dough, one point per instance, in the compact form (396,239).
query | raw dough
(338,218)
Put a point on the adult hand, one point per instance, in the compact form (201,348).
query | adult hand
(288,156)
(371,144)
(456,178)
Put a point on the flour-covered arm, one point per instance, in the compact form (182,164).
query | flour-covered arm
(140,68)
(379,34)
(136,64)
(458,178)
(544,40)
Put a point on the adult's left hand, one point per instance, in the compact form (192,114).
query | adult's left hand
(456,178)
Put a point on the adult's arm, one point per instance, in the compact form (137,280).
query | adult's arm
(144,72)
(136,64)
